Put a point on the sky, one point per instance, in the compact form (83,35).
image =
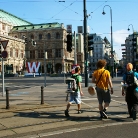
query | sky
(124,15)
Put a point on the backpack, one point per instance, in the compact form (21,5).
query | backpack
(75,82)
(130,78)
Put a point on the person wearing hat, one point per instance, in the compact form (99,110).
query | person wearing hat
(102,79)
(76,96)
(131,95)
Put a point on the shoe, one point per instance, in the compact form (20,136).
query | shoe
(80,111)
(104,114)
(67,113)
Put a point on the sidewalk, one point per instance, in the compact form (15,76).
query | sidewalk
(27,117)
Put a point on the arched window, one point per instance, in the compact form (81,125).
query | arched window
(32,36)
(48,36)
(40,36)
(57,36)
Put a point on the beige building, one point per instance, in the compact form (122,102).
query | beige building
(15,47)
(41,38)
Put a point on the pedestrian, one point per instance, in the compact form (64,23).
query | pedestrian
(76,96)
(102,79)
(131,94)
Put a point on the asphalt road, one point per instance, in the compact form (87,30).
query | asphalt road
(117,108)
(128,130)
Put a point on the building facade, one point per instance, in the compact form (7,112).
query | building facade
(41,38)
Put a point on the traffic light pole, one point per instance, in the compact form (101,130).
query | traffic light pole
(133,60)
(85,45)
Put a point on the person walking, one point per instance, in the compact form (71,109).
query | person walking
(102,79)
(76,96)
(131,94)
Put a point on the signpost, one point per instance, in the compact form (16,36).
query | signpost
(4,55)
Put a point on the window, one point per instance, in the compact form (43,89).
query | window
(40,54)
(11,52)
(57,36)
(79,57)
(32,36)
(48,36)
(22,54)
(32,54)
(58,53)
(16,52)
(40,36)
(3,26)
(49,53)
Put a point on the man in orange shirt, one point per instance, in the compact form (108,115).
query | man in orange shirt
(102,79)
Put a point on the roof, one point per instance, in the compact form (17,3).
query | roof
(38,26)
(16,21)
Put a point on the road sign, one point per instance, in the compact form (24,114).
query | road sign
(4,43)
(4,54)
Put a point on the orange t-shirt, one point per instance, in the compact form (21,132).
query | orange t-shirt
(103,83)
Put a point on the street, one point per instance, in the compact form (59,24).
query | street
(27,116)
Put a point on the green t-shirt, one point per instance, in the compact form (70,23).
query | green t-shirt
(78,79)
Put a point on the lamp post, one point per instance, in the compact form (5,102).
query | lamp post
(133,62)
(112,56)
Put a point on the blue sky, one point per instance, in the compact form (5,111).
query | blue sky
(124,13)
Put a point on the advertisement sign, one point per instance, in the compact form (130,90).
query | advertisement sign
(32,67)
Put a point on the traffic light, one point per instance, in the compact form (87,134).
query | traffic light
(90,42)
(135,44)
(69,43)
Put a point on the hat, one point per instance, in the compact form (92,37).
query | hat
(91,90)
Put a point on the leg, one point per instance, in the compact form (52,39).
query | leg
(67,110)
(135,105)
(79,107)
(129,101)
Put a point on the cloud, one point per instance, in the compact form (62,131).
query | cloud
(119,38)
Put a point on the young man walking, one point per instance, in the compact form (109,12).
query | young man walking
(102,79)
(76,96)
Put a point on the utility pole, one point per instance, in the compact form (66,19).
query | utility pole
(85,45)
(75,52)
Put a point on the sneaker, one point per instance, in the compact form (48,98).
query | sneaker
(104,115)
(67,113)
(80,111)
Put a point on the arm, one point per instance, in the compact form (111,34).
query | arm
(110,84)
(79,85)
(93,79)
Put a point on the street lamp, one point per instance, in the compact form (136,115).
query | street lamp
(112,56)
(132,44)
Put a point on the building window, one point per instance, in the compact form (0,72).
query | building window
(40,54)
(48,36)
(40,36)
(32,54)
(3,26)
(22,54)
(11,52)
(79,57)
(58,53)
(32,36)
(16,52)
(49,53)
(57,36)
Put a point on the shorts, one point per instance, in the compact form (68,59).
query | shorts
(103,95)
(75,98)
